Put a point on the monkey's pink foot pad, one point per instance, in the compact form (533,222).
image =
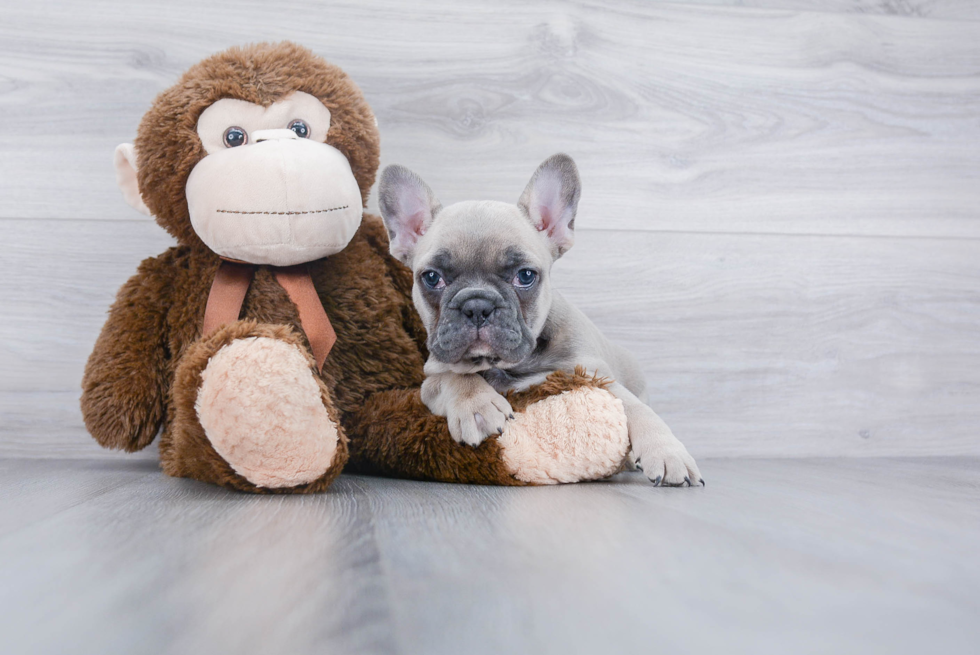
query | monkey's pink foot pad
(262,410)
(577,435)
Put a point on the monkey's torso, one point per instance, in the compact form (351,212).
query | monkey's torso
(365,293)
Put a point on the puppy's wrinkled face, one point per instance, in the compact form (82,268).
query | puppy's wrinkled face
(482,285)
(482,269)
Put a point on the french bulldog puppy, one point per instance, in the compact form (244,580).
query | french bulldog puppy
(483,289)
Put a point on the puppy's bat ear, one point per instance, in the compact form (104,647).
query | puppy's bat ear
(407,207)
(551,200)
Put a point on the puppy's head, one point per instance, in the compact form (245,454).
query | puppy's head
(482,269)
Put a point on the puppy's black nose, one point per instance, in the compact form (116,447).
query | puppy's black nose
(478,310)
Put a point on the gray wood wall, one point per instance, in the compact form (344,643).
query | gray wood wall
(780,207)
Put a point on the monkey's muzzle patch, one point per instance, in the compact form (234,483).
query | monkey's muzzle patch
(280,202)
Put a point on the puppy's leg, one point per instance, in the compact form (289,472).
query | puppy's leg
(656,450)
(472,407)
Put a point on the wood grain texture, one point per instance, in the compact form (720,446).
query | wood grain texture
(944,9)
(48,425)
(682,117)
(780,200)
(779,218)
(797,346)
(754,345)
(806,556)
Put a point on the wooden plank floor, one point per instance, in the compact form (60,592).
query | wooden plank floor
(773,556)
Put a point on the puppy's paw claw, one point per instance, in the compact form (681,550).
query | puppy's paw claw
(668,464)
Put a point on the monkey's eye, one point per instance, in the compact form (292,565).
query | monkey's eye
(432,280)
(301,129)
(525,278)
(235,136)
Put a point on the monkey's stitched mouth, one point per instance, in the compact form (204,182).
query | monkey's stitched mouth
(315,211)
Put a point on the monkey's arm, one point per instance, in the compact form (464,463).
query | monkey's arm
(124,385)
(394,434)
(556,437)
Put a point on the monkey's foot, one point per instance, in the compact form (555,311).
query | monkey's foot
(260,407)
(578,434)
(262,420)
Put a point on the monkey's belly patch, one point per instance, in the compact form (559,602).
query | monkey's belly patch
(260,407)
(574,436)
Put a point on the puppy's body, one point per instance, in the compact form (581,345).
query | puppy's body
(483,289)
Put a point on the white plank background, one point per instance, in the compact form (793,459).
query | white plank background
(780,214)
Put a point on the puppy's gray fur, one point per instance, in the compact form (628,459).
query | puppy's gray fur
(483,289)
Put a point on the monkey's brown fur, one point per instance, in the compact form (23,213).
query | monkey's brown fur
(144,372)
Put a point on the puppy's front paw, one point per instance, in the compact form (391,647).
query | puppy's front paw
(473,419)
(665,460)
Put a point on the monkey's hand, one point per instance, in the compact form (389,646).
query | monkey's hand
(124,385)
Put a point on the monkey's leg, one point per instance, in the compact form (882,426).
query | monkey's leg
(252,414)
(567,429)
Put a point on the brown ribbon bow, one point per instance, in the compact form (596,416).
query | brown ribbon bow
(231,284)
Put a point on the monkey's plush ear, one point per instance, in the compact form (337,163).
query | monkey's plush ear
(125,162)
(407,207)
(550,200)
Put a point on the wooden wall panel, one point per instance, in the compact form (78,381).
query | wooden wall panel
(753,344)
(780,200)
(682,117)
(942,9)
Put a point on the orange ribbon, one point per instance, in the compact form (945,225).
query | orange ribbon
(231,283)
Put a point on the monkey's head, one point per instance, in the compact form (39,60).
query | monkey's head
(264,154)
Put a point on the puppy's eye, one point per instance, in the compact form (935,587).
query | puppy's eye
(525,278)
(433,280)
(235,136)
(301,129)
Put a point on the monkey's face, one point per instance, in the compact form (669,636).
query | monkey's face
(270,191)
(264,153)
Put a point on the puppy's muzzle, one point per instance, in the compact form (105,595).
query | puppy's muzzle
(483,318)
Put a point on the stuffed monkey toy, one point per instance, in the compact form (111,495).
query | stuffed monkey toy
(277,342)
